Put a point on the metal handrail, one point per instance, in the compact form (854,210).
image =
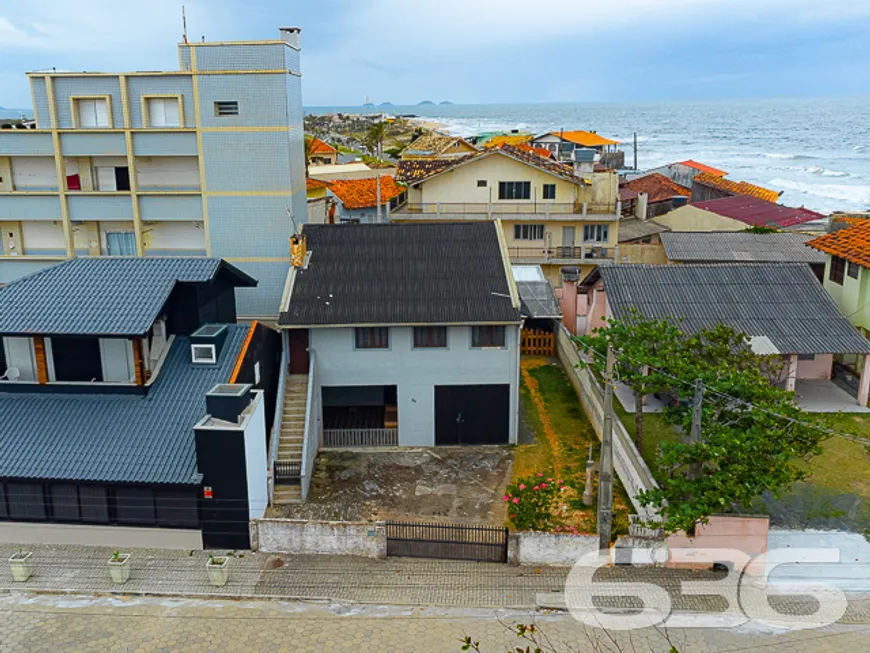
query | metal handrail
(276,423)
(311,439)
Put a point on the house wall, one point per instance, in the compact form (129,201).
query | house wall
(460,184)
(168,172)
(598,310)
(174,239)
(818,368)
(42,238)
(555,230)
(690,218)
(416,372)
(851,296)
(90,535)
(33,173)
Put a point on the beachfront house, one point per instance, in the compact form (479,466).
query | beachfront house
(552,213)
(563,143)
(321,153)
(356,200)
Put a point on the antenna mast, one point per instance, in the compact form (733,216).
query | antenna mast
(184,23)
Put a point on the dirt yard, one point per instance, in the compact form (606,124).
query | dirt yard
(446,484)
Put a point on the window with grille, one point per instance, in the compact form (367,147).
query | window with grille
(514,190)
(226,108)
(528,232)
(372,337)
(838,270)
(596,233)
(853,269)
(481,183)
(487,336)
(163,112)
(549,191)
(433,337)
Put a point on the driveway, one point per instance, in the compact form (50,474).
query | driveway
(444,484)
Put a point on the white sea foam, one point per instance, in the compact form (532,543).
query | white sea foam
(832,196)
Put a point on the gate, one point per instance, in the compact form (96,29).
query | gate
(448,541)
(537,342)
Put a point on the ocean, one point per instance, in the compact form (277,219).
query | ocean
(817,151)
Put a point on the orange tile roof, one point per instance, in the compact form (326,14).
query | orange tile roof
(319,147)
(363,193)
(540,151)
(508,139)
(703,168)
(852,243)
(312,184)
(737,187)
(658,187)
(584,138)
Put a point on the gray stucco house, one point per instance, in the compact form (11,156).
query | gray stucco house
(409,333)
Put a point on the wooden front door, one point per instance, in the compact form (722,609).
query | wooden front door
(298,351)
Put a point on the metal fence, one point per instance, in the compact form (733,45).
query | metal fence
(447,541)
(557,254)
(288,472)
(337,438)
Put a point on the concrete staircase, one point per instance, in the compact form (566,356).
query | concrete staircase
(292,434)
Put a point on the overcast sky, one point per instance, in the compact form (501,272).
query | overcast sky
(473,51)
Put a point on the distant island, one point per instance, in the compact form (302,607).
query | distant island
(446,102)
(426,103)
(385,104)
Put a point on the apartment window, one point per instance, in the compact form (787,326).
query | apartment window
(481,183)
(226,108)
(372,337)
(852,271)
(92,112)
(838,269)
(549,191)
(528,232)
(487,336)
(434,337)
(514,190)
(112,178)
(163,112)
(596,233)
(121,243)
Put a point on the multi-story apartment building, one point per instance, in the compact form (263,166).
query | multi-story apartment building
(207,160)
(552,213)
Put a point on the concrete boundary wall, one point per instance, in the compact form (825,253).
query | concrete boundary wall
(367,539)
(627,461)
(550,549)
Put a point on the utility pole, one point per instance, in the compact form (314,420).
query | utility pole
(635,150)
(588,494)
(379,200)
(695,434)
(605,474)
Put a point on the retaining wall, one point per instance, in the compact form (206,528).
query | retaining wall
(367,539)
(549,548)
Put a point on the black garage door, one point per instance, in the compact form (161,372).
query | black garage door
(472,414)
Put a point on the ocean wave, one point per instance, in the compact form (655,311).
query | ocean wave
(849,196)
(819,170)
(790,157)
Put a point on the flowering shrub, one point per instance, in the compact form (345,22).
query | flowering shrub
(530,502)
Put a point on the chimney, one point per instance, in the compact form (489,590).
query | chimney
(227,401)
(206,344)
(640,205)
(570,277)
(298,250)
(584,162)
(291,36)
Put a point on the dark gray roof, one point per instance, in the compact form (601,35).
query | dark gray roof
(784,302)
(116,438)
(102,296)
(538,300)
(401,274)
(632,229)
(725,246)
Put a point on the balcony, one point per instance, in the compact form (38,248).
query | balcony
(568,211)
(589,253)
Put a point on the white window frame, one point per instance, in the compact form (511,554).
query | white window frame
(91,117)
(600,233)
(158,119)
(212,359)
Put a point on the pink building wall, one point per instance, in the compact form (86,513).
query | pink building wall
(746,534)
(820,368)
(598,309)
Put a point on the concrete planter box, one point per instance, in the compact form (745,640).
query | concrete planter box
(19,563)
(218,573)
(119,568)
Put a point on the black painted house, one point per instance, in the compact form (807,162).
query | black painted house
(131,399)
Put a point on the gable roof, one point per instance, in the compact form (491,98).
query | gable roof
(433,144)
(320,147)
(783,302)
(851,243)
(737,187)
(658,187)
(757,212)
(508,139)
(312,184)
(363,193)
(724,246)
(119,296)
(632,229)
(415,170)
(374,274)
(116,438)
(703,168)
(584,138)
(540,151)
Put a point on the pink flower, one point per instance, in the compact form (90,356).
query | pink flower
(549,480)
(522,486)
(559,481)
(506,497)
(536,488)
(513,515)
(543,485)
(539,474)
(516,499)
(558,528)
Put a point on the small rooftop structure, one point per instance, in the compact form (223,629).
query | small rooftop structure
(635,229)
(537,297)
(702,167)
(738,246)
(363,193)
(584,138)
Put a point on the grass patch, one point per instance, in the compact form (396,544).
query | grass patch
(655,432)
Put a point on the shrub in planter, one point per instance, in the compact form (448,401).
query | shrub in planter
(119,567)
(530,502)
(216,567)
(19,564)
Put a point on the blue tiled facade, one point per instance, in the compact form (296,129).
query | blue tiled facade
(251,165)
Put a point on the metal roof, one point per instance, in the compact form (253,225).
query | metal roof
(370,274)
(784,302)
(758,212)
(632,229)
(725,246)
(538,299)
(119,296)
(116,438)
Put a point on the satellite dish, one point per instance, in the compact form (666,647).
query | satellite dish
(12,374)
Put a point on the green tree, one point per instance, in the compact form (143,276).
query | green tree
(752,437)
(374,138)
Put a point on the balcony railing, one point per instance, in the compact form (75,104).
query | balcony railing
(562,254)
(511,208)
(338,438)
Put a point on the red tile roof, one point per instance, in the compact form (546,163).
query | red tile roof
(312,184)
(319,147)
(363,193)
(703,168)
(658,187)
(852,243)
(737,187)
(540,151)
(757,212)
